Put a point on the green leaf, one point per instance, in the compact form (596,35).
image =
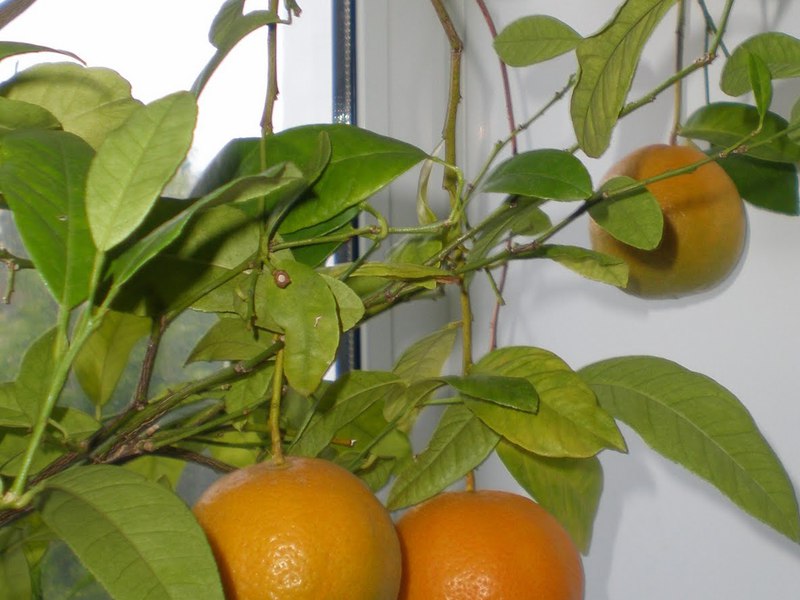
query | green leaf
(211,244)
(11,415)
(349,305)
(246,188)
(512,392)
(89,102)
(13,447)
(16,114)
(569,421)
(727,123)
(761,83)
(460,443)
(393,270)
(608,62)
(569,488)
(43,177)
(229,27)
(137,538)
(103,357)
(635,219)
(534,39)
(230,338)
(587,263)
(135,163)
(779,52)
(794,134)
(305,308)
(520,216)
(426,357)
(343,402)
(361,163)
(766,184)
(251,391)
(33,379)
(553,174)
(16,48)
(694,421)
(15,575)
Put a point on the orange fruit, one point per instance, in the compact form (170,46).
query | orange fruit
(486,545)
(705,224)
(305,529)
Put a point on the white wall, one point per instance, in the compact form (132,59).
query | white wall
(660,532)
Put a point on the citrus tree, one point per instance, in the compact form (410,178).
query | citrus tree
(83,171)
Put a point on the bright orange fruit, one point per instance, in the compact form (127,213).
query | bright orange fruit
(705,224)
(487,545)
(306,529)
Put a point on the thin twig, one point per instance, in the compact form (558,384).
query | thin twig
(146,373)
(454,97)
(267,126)
(679,47)
(503,73)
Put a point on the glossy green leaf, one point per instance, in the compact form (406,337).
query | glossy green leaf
(229,27)
(553,174)
(135,163)
(103,357)
(303,305)
(512,392)
(608,62)
(137,538)
(426,357)
(727,123)
(16,114)
(230,338)
(343,402)
(635,219)
(43,177)
(761,83)
(766,184)
(89,102)
(587,263)
(569,488)
(534,39)
(348,304)
(569,421)
(692,420)
(246,188)
(459,443)
(361,163)
(779,52)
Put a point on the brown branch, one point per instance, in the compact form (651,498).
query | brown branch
(148,364)
(504,74)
